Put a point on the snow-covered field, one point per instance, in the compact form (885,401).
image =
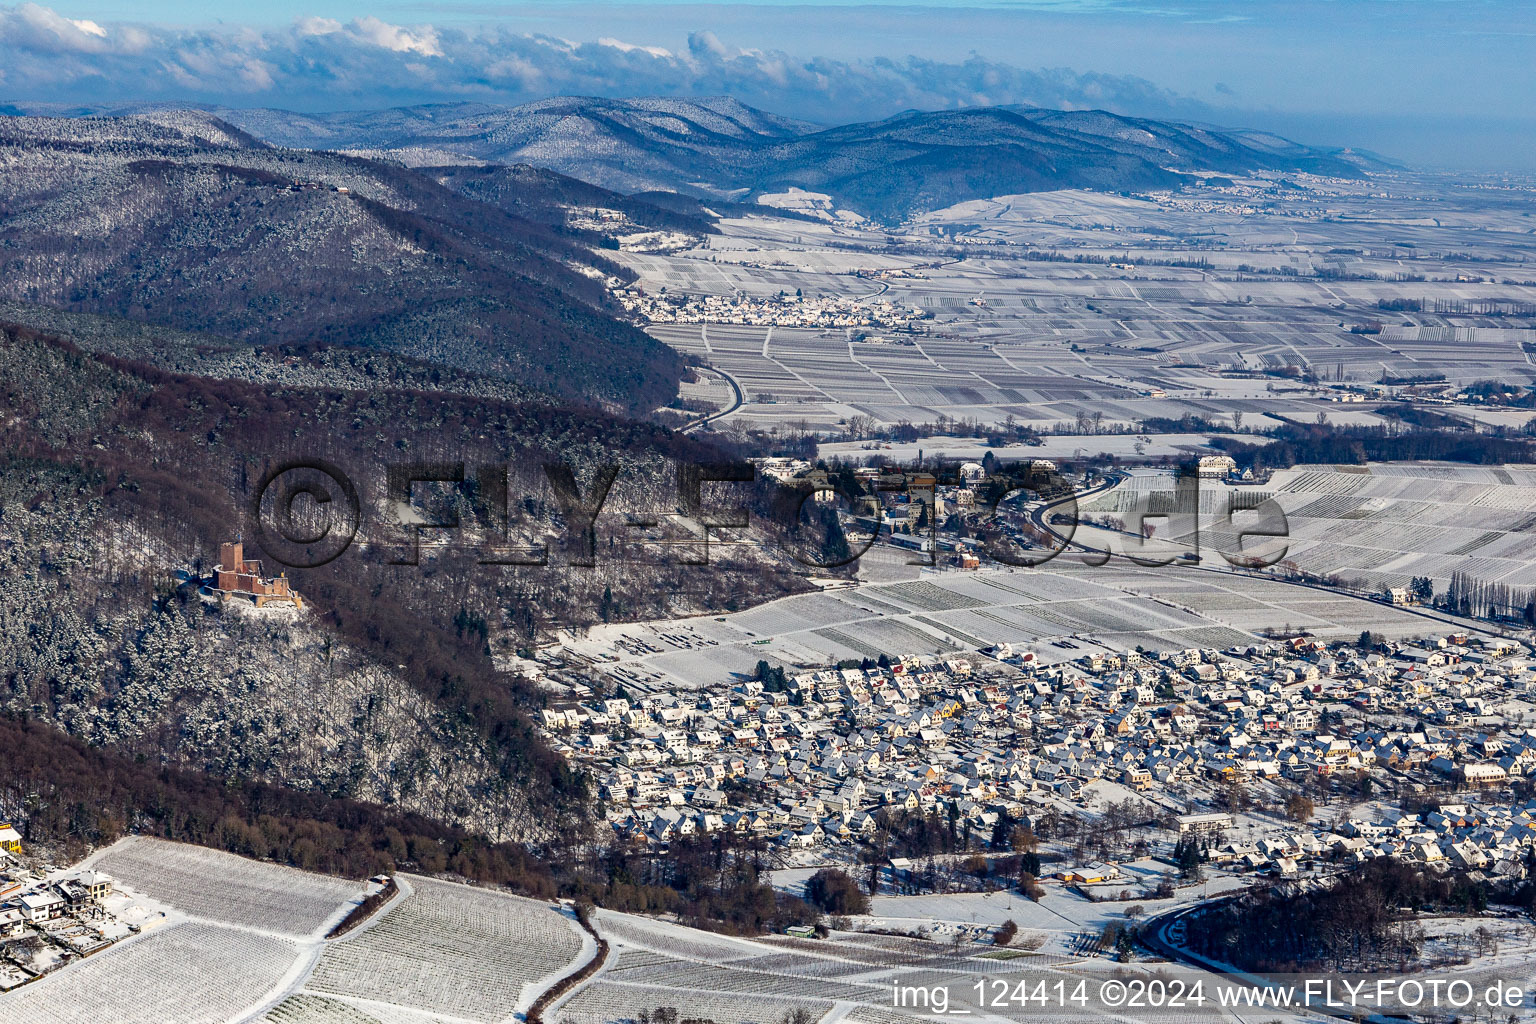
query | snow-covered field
(453,950)
(1373,526)
(1111,607)
(444,953)
(1052,446)
(244,941)
(1387,523)
(191,973)
(851,976)
(226,889)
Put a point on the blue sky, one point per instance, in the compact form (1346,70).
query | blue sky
(1440,82)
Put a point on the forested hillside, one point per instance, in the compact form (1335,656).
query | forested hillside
(185,223)
(116,474)
(546,197)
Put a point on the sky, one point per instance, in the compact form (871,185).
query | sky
(1437,83)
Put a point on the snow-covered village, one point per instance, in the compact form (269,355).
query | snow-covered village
(1218,743)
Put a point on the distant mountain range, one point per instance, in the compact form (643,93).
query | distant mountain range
(722,149)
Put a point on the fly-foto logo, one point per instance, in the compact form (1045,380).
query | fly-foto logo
(306,512)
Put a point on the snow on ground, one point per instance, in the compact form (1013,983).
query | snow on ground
(455,951)
(191,973)
(856,975)
(224,939)
(1052,446)
(1059,915)
(226,889)
(1451,940)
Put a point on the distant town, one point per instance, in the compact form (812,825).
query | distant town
(779,311)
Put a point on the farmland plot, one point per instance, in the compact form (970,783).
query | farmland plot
(996,624)
(928,597)
(708,979)
(843,643)
(673,940)
(1218,637)
(308,1009)
(454,950)
(221,887)
(852,948)
(713,663)
(1388,523)
(184,974)
(739,977)
(783,616)
(878,965)
(1119,604)
(920,634)
(806,966)
(603,1002)
(875,1015)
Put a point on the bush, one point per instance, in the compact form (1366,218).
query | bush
(835,892)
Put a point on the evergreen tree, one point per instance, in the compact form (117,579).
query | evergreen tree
(1186,853)
(605,609)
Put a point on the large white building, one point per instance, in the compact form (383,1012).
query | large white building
(1216,467)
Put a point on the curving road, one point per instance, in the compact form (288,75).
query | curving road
(1154,936)
(740,398)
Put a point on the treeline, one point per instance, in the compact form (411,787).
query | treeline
(1363,922)
(1354,445)
(715,881)
(366,909)
(772,676)
(1426,418)
(834,891)
(1121,831)
(553,994)
(58,789)
(1409,380)
(1140,260)
(76,797)
(1189,423)
(866,428)
(1475,597)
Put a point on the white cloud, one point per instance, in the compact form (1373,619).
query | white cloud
(423,40)
(45,30)
(198,67)
(707,45)
(321,63)
(132,39)
(524,73)
(621,45)
(316,26)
